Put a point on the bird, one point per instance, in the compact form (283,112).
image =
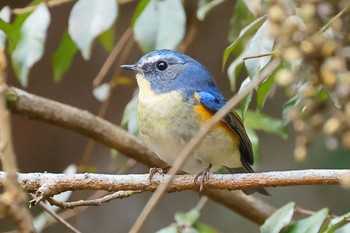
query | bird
(177,95)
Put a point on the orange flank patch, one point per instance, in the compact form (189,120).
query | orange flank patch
(205,114)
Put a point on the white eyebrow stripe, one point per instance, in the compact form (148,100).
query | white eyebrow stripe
(152,59)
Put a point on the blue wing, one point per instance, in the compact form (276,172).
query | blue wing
(213,101)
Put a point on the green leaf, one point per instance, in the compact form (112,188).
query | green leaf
(234,70)
(204,6)
(204,228)
(260,44)
(343,229)
(265,87)
(259,121)
(88,19)
(337,223)
(187,219)
(311,224)
(241,17)
(244,104)
(63,56)
(107,39)
(278,220)
(139,9)
(161,25)
(237,46)
(291,103)
(17,25)
(5,18)
(263,91)
(30,47)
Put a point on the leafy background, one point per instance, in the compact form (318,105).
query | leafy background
(41,147)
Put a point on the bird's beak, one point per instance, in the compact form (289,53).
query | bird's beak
(133,67)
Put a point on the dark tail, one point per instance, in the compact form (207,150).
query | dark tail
(247,168)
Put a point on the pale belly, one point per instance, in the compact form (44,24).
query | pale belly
(166,125)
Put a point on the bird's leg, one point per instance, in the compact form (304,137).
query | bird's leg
(157,170)
(205,177)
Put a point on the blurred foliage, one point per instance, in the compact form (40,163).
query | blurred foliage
(188,222)
(318,222)
(309,38)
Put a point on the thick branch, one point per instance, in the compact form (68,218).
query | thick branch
(32,106)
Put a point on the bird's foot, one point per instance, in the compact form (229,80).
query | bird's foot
(204,178)
(156,170)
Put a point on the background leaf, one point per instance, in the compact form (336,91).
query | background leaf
(247,99)
(161,25)
(101,92)
(139,9)
(30,47)
(241,17)
(5,17)
(278,220)
(88,19)
(265,123)
(260,44)
(311,224)
(187,218)
(129,119)
(107,39)
(265,88)
(63,56)
(205,6)
(237,46)
(337,222)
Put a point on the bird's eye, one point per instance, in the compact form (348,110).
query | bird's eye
(161,65)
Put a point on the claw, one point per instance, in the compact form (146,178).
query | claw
(204,178)
(153,171)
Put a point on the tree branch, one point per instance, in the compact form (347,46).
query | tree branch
(49,184)
(71,118)
(92,202)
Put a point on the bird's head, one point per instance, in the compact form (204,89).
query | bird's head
(167,70)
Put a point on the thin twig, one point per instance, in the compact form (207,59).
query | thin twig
(112,57)
(58,218)
(189,148)
(325,27)
(191,33)
(52,3)
(92,202)
(259,55)
(201,203)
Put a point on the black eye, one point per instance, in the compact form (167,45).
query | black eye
(161,65)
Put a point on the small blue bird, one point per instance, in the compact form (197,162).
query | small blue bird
(177,96)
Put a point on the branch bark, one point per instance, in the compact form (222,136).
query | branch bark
(46,185)
(83,122)
(49,184)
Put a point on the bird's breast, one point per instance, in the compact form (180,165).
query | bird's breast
(167,122)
